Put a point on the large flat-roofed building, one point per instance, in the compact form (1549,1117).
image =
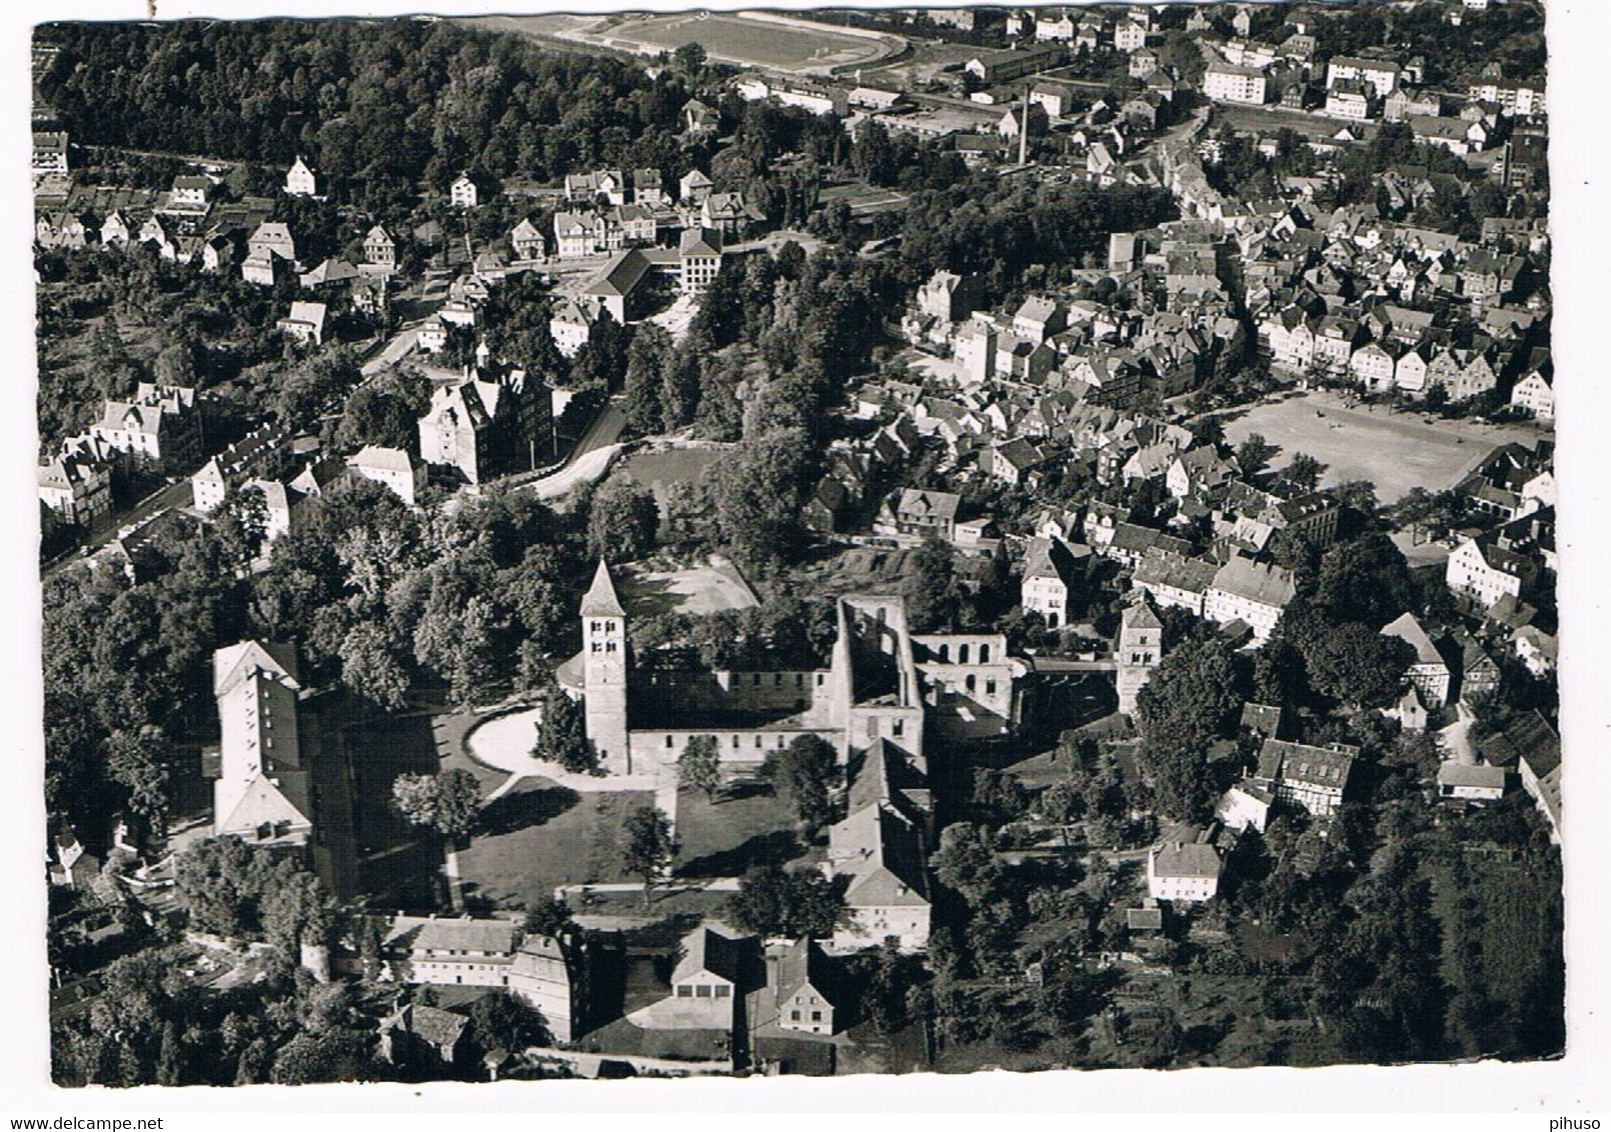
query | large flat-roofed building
(1223,82)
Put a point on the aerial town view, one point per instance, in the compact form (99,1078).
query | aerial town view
(814,543)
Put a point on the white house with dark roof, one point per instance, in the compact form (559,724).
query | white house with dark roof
(1480,570)
(1047,581)
(1252,592)
(76,487)
(527,241)
(1184,865)
(803,988)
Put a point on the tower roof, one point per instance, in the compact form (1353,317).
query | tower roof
(1139,615)
(601,599)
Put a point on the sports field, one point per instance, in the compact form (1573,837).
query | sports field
(1394,451)
(733,38)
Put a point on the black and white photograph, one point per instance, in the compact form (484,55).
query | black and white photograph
(796,544)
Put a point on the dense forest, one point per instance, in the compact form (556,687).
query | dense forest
(387,103)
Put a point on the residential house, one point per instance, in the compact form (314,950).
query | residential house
(974,348)
(305,323)
(803,988)
(527,240)
(571,324)
(1223,82)
(392,467)
(1382,76)
(1453,134)
(1536,649)
(1245,805)
(1429,672)
(379,249)
(1313,778)
(1252,592)
(728,214)
(115,230)
(49,155)
(423,1038)
(609,184)
(300,180)
(1184,865)
(190,193)
(1013,460)
(926,513)
(264,453)
(159,428)
(271,240)
(949,296)
(464,192)
(881,853)
(1038,318)
(1534,394)
(1179,582)
(1048,580)
(1481,570)
(76,486)
(693,187)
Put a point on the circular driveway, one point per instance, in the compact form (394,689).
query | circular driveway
(505,743)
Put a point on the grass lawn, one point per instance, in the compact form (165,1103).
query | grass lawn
(697,590)
(539,836)
(1393,450)
(744,828)
(659,468)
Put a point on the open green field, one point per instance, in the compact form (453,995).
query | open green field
(1396,451)
(742,828)
(540,836)
(657,469)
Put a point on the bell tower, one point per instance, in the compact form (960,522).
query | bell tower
(604,665)
(1140,648)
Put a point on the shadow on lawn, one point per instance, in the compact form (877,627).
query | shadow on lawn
(652,596)
(775,848)
(521,809)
